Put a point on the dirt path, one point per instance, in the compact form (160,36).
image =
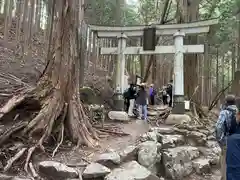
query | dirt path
(134,127)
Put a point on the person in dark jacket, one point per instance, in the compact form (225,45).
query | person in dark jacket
(225,127)
(131,96)
(152,93)
(142,102)
(170,92)
(164,96)
(233,149)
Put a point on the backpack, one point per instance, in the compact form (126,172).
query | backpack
(229,126)
(126,94)
(164,92)
(169,89)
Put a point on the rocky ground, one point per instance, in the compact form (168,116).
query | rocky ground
(178,152)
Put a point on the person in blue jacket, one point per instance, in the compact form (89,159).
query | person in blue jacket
(226,126)
(233,149)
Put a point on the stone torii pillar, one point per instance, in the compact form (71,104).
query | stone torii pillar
(178,79)
(120,73)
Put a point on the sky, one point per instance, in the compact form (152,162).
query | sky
(131,1)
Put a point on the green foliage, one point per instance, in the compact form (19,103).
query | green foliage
(149,11)
(103,12)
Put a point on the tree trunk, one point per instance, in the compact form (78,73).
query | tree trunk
(154,69)
(188,13)
(217,71)
(207,70)
(37,16)
(18,19)
(57,92)
(6,14)
(236,81)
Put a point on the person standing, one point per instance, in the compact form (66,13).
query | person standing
(142,102)
(170,92)
(233,150)
(164,96)
(132,94)
(152,94)
(226,126)
(126,100)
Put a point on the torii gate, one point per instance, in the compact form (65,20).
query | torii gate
(179,49)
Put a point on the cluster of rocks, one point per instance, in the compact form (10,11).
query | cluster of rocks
(162,153)
(169,152)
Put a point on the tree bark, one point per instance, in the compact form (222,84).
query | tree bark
(6,14)
(18,19)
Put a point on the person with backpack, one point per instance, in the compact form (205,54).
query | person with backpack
(225,127)
(233,150)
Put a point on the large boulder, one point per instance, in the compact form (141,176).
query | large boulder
(109,160)
(149,155)
(174,119)
(95,170)
(58,170)
(129,153)
(177,161)
(131,171)
(171,141)
(118,115)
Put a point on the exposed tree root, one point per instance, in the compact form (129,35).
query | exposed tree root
(9,131)
(61,141)
(113,132)
(11,104)
(29,155)
(13,159)
(55,116)
(33,171)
